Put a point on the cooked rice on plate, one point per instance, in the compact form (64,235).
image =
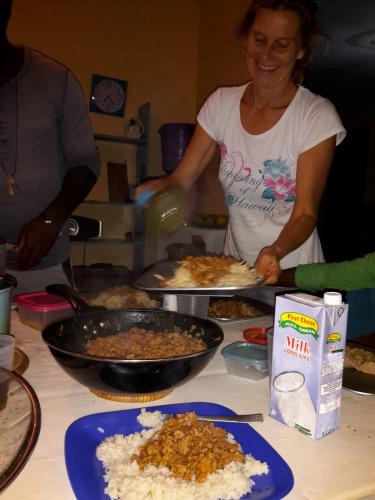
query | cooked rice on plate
(210,271)
(179,458)
(123,297)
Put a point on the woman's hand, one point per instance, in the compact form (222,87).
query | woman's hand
(152,185)
(267,265)
(199,152)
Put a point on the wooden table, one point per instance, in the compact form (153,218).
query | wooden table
(340,466)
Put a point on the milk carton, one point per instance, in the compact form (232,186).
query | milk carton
(307,362)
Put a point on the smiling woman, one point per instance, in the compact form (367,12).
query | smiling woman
(276,139)
(273,47)
(297,29)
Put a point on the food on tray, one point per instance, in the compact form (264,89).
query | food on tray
(360,359)
(139,343)
(210,271)
(227,308)
(124,297)
(179,457)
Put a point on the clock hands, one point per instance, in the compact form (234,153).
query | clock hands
(109,98)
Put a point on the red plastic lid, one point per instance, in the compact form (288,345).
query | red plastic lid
(256,335)
(41,301)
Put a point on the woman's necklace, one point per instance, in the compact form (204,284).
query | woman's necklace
(11,184)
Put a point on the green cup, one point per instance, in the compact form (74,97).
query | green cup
(7,282)
(166,211)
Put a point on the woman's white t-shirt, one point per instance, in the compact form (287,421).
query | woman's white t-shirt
(258,172)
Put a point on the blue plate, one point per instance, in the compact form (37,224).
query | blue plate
(85,471)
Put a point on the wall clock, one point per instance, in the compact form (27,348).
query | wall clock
(108,95)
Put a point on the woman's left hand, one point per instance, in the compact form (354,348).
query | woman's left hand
(267,265)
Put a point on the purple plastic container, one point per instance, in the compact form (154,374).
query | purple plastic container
(175,138)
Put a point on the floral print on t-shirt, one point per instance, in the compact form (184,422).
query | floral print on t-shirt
(276,178)
(249,187)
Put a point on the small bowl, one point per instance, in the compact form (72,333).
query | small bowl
(129,380)
(166,211)
(20,419)
(247,360)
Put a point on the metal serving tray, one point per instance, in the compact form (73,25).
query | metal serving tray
(150,283)
(359,382)
(356,381)
(263,308)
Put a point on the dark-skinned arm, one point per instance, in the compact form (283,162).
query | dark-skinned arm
(38,235)
(287,278)
(347,275)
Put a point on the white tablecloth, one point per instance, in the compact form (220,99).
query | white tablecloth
(339,466)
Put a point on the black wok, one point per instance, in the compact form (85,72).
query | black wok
(66,340)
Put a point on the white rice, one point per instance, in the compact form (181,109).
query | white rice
(126,482)
(151,418)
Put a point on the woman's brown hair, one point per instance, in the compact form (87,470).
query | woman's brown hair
(309,28)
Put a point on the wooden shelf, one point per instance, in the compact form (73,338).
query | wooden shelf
(120,139)
(107,202)
(141,170)
(108,241)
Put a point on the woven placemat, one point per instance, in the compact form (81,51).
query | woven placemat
(132,398)
(20,361)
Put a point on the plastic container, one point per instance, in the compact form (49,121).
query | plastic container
(247,360)
(175,138)
(39,309)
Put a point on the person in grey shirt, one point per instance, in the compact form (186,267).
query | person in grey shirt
(48,159)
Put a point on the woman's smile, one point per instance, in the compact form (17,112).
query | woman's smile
(266,68)
(273,47)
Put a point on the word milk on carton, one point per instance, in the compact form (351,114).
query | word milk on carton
(307,362)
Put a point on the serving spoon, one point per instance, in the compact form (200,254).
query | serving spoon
(73,297)
(245,418)
(251,417)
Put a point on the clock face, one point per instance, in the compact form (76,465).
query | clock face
(108,95)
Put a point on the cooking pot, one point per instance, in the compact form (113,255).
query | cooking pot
(129,380)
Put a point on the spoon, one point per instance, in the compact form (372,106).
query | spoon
(250,417)
(73,297)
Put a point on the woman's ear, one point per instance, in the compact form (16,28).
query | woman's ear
(301,54)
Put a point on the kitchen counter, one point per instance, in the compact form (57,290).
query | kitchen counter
(338,467)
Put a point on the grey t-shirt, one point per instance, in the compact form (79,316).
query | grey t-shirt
(44,131)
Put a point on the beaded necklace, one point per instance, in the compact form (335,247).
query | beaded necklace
(10,176)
